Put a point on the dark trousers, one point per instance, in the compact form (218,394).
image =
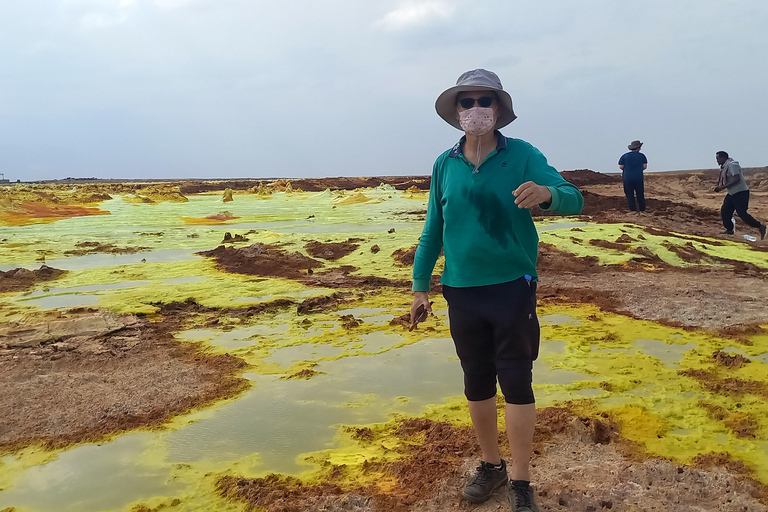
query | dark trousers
(632,187)
(738,202)
(496,333)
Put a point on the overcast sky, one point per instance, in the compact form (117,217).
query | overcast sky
(248,88)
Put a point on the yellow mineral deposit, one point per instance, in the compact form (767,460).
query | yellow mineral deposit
(328,361)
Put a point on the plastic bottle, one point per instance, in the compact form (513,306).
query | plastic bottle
(750,238)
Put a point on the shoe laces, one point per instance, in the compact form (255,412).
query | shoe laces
(483,472)
(522,496)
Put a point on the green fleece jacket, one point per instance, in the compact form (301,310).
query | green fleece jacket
(471,215)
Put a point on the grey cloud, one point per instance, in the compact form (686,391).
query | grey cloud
(254,88)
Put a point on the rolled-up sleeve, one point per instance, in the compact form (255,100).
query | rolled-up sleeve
(566,197)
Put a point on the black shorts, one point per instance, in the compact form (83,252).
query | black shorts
(496,333)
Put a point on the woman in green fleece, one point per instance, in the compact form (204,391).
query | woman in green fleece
(479,215)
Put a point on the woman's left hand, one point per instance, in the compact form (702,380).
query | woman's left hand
(530,194)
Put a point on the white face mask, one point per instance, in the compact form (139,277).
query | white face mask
(477,121)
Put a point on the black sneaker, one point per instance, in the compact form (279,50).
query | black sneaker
(485,481)
(762,229)
(726,232)
(521,498)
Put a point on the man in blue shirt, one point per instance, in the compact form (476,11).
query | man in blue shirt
(632,165)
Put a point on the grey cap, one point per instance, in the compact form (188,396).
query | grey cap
(635,144)
(475,80)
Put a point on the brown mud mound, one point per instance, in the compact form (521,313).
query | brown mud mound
(20,279)
(305,374)
(229,239)
(579,464)
(174,312)
(559,294)
(606,244)
(583,177)
(262,260)
(729,360)
(405,257)
(330,250)
(551,259)
(81,376)
(342,277)
(83,248)
(604,208)
(691,254)
(741,424)
(324,303)
(270,261)
(729,386)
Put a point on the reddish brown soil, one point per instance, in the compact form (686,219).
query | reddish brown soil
(262,260)
(579,464)
(30,212)
(553,259)
(584,177)
(741,424)
(176,311)
(341,277)
(306,373)
(608,244)
(84,248)
(270,261)
(330,250)
(324,303)
(727,386)
(20,279)
(229,239)
(625,239)
(88,374)
(729,360)
(405,257)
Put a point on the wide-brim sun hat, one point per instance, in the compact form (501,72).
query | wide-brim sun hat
(475,80)
(635,144)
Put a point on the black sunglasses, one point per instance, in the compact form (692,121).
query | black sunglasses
(484,101)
